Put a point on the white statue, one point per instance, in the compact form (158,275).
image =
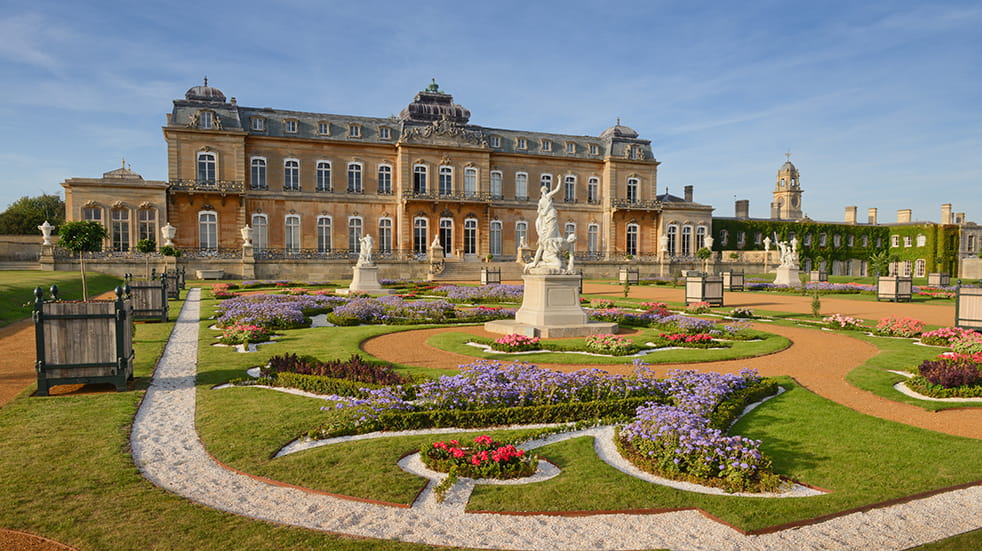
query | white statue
(551,243)
(789,253)
(246,233)
(436,243)
(168,232)
(709,242)
(365,254)
(663,243)
(46,232)
(794,245)
(767,243)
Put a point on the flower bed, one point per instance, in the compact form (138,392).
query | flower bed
(613,345)
(241,333)
(701,307)
(484,458)
(484,293)
(602,303)
(944,336)
(951,375)
(274,311)
(896,326)
(742,312)
(222,291)
(686,340)
(840,321)
(515,343)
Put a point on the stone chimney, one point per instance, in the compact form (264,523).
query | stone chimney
(946,214)
(871,214)
(743,208)
(775,211)
(688,194)
(903,215)
(851,215)
(959,218)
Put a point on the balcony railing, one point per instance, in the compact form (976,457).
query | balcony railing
(280,253)
(219,186)
(477,196)
(624,203)
(217,252)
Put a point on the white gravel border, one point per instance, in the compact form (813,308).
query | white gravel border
(168,452)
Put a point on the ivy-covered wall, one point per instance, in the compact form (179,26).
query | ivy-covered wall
(939,250)
(811,243)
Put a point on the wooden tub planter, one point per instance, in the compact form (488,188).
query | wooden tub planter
(149,299)
(83,342)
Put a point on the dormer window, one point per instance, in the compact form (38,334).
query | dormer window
(495,141)
(354,131)
(384,133)
(632,152)
(594,149)
(521,143)
(259,124)
(546,145)
(205,120)
(324,128)
(290,126)
(570,147)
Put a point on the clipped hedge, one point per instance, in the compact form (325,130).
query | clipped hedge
(728,410)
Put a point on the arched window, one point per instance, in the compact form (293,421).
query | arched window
(420,241)
(446,235)
(673,234)
(546,180)
(632,190)
(593,190)
(207,229)
(495,235)
(569,229)
(119,229)
(291,239)
(446,180)
(686,240)
(207,167)
(569,188)
(323,234)
(470,182)
(260,232)
(384,235)
(384,179)
(496,184)
(701,237)
(632,239)
(354,177)
(354,234)
(593,239)
(92,214)
(258,173)
(147,222)
(419,182)
(521,186)
(470,236)
(323,176)
(724,238)
(521,233)
(291,175)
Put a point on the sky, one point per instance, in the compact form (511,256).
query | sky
(878,102)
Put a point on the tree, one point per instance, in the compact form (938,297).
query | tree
(146,246)
(704,254)
(82,237)
(24,215)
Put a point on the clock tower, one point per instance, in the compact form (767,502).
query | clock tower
(787,193)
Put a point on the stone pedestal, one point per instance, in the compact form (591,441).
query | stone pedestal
(551,309)
(365,280)
(787,275)
(47,258)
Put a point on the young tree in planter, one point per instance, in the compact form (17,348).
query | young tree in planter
(146,247)
(704,254)
(167,250)
(82,237)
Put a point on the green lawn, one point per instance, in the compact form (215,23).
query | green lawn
(17,289)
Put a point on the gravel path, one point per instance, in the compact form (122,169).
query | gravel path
(168,452)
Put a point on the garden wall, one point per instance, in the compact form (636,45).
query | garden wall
(20,248)
(971,268)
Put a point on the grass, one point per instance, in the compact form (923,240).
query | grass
(457,343)
(17,289)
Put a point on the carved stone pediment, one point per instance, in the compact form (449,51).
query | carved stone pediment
(443,132)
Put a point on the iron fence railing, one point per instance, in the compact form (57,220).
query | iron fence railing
(220,186)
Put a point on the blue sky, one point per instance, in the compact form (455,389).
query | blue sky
(878,102)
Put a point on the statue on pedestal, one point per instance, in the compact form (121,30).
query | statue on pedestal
(365,254)
(246,233)
(46,232)
(551,244)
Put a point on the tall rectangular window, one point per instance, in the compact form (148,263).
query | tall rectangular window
(292,238)
(593,239)
(291,175)
(673,234)
(496,184)
(419,180)
(385,235)
(495,235)
(521,234)
(384,179)
(686,240)
(323,176)
(92,214)
(420,241)
(632,239)
(323,234)
(592,190)
(521,186)
(446,180)
(701,237)
(119,231)
(258,173)
(147,220)
(207,230)
(569,188)
(446,235)
(260,232)
(632,190)
(354,178)
(470,182)
(354,234)
(470,236)
(569,229)
(206,168)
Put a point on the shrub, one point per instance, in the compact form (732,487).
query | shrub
(951,372)
(698,308)
(894,326)
(244,334)
(602,303)
(969,342)
(515,343)
(354,368)
(943,336)
(742,312)
(656,308)
(484,458)
(686,340)
(610,344)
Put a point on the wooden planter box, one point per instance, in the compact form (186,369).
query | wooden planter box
(149,299)
(938,279)
(704,288)
(819,276)
(968,308)
(630,276)
(894,288)
(83,342)
(173,282)
(490,276)
(733,281)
